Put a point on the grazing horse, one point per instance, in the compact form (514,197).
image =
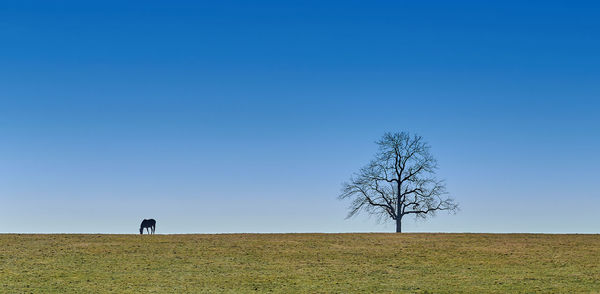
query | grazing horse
(148,223)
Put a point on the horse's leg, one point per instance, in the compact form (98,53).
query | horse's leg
(153,229)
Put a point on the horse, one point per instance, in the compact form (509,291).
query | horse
(148,223)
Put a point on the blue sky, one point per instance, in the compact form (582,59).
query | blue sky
(247,116)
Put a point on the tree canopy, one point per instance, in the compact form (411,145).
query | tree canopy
(401,180)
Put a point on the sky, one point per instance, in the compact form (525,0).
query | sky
(246,116)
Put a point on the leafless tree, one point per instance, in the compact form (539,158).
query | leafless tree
(400,181)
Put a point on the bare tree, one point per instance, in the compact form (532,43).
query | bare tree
(398,182)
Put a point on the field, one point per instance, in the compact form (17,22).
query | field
(304,263)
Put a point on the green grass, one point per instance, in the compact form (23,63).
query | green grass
(305,263)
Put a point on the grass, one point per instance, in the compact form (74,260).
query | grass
(304,263)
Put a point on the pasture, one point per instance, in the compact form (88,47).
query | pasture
(300,263)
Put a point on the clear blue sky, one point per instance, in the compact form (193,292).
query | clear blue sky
(246,116)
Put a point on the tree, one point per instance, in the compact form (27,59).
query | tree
(400,181)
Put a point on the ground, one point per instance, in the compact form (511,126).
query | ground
(303,263)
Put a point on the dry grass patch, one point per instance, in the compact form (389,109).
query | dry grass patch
(306,263)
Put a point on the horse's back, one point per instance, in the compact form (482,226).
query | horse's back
(148,222)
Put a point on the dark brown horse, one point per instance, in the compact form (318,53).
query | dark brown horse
(148,224)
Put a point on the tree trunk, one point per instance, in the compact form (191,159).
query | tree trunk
(399,206)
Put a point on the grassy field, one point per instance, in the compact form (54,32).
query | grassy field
(305,263)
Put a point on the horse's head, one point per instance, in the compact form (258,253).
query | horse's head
(141,230)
